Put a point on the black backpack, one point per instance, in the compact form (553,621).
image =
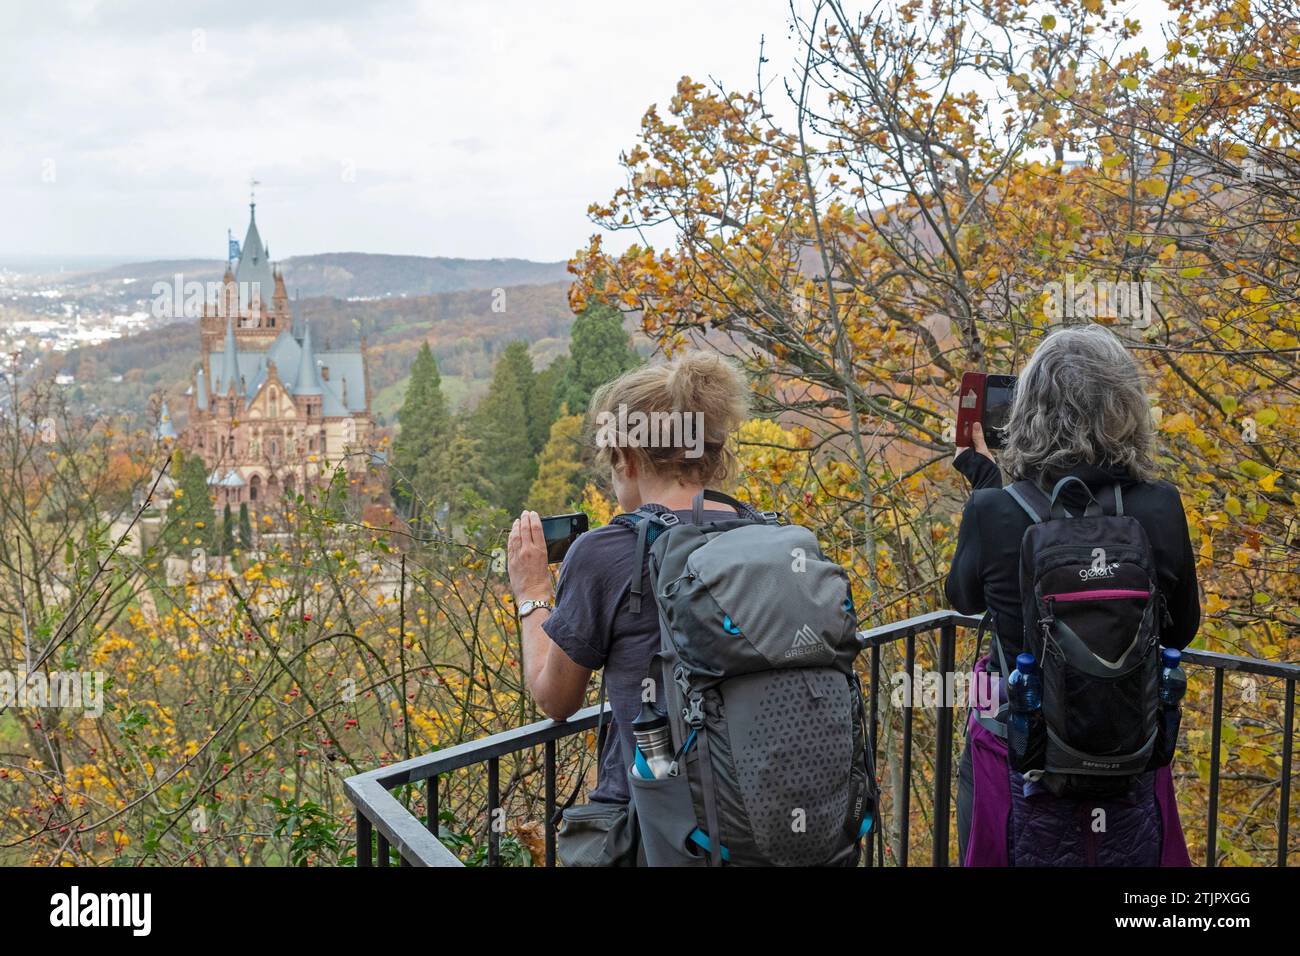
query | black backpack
(1093,612)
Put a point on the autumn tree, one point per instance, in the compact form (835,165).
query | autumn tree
(562,471)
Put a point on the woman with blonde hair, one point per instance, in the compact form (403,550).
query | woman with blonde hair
(662,432)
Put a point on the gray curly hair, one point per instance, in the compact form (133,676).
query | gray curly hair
(1079,401)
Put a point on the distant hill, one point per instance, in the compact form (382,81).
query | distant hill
(466,329)
(358,274)
(344,275)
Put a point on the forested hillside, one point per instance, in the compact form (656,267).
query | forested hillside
(465,329)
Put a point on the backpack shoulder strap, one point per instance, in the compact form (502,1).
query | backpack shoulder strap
(648,525)
(1031,498)
(743,510)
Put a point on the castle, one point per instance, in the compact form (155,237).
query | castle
(269,413)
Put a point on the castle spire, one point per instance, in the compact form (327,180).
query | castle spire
(229,362)
(165,430)
(256,281)
(308,380)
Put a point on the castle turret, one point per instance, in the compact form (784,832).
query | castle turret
(165,430)
(229,378)
(256,281)
(308,381)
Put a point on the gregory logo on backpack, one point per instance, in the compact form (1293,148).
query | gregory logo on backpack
(806,642)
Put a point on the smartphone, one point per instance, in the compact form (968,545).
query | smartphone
(985,399)
(560,532)
(998,392)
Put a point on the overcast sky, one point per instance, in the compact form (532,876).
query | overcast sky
(474,129)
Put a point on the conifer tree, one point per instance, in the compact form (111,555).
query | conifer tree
(190,518)
(500,427)
(245,527)
(227,531)
(600,350)
(419,451)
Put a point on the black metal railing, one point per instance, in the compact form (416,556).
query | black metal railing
(383,822)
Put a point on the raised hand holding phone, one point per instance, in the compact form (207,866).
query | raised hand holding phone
(983,404)
(976,442)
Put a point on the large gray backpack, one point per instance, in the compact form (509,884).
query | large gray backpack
(758,636)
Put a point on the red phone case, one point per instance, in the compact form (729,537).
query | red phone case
(970,405)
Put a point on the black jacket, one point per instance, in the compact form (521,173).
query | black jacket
(986,567)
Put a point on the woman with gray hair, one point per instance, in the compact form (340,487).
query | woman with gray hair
(1079,410)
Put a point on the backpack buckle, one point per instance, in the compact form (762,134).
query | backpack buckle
(772,517)
(682,679)
(669,518)
(694,714)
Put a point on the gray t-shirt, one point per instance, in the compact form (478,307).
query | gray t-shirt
(593,625)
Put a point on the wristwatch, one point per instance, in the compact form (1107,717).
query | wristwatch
(528,607)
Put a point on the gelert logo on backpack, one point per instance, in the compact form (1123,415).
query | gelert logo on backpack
(103,909)
(806,642)
(1099,568)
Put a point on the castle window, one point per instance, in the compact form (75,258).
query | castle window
(325,373)
(274,401)
(254,485)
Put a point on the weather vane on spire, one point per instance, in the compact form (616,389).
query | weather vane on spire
(252,194)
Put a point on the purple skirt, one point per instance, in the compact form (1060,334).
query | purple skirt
(1011,828)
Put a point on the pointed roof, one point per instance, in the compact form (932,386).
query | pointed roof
(200,390)
(254,270)
(229,377)
(308,380)
(165,431)
(284,352)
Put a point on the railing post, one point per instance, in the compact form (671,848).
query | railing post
(1284,806)
(363,841)
(381,850)
(494,799)
(550,802)
(943,760)
(905,812)
(431,804)
(1212,837)
(872,842)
